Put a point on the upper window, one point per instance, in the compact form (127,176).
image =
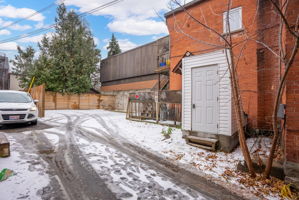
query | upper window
(235,20)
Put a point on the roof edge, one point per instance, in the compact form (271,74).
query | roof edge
(143,45)
(179,9)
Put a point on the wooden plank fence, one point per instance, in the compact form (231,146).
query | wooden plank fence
(57,101)
(38,93)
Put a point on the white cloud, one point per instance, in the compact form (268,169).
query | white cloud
(39,25)
(36,54)
(5,32)
(13,27)
(9,46)
(129,12)
(126,44)
(19,27)
(34,39)
(96,40)
(138,27)
(13,12)
(156,37)
(124,9)
(106,40)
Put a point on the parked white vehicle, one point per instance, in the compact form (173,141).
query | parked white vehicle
(17,107)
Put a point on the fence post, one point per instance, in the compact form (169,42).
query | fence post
(128,109)
(43,100)
(38,93)
(157,106)
(55,100)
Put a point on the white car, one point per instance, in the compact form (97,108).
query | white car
(17,107)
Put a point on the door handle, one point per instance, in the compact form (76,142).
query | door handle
(193,106)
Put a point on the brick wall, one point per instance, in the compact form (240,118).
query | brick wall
(292,114)
(268,63)
(292,94)
(211,12)
(291,97)
(258,68)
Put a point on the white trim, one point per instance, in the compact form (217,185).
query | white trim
(239,10)
(183,99)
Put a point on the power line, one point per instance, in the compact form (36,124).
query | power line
(35,32)
(29,16)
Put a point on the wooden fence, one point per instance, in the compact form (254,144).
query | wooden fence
(160,106)
(38,93)
(57,101)
(107,102)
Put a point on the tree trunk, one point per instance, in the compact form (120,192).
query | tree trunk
(238,111)
(288,65)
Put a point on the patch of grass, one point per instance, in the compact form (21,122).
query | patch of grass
(167,133)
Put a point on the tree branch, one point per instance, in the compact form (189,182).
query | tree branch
(284,19)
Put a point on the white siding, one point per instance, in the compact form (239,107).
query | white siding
(225,103)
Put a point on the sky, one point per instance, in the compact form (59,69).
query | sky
(134,22)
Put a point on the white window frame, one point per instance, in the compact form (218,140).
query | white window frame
(239,10)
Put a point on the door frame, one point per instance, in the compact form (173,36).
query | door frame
(218,97)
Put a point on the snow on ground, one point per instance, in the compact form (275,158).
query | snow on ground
(30,176)
(53,138)
(126,177)
(221,166)
(130,179)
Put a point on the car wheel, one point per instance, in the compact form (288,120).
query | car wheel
(34,122)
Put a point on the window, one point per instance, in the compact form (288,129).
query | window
(235,20)
(10,97)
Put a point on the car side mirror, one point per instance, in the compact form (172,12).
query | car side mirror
(35,101)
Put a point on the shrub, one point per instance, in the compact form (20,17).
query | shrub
(167,133)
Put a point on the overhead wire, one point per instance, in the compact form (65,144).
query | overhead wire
(35,32)
(28,17)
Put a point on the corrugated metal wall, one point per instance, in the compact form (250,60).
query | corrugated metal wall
(138,62)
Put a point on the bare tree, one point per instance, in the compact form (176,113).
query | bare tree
(284,59)
(287,61)
(228,45)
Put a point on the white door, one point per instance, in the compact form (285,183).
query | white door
(205,99)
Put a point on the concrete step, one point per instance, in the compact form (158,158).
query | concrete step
(204,143)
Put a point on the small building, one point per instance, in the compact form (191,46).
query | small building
(4,72)
(142,69)
(208,109)
(14,83)
(199,67)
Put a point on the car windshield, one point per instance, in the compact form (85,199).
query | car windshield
(9,97)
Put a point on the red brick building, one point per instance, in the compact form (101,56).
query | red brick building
(291,134)
(255,29)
